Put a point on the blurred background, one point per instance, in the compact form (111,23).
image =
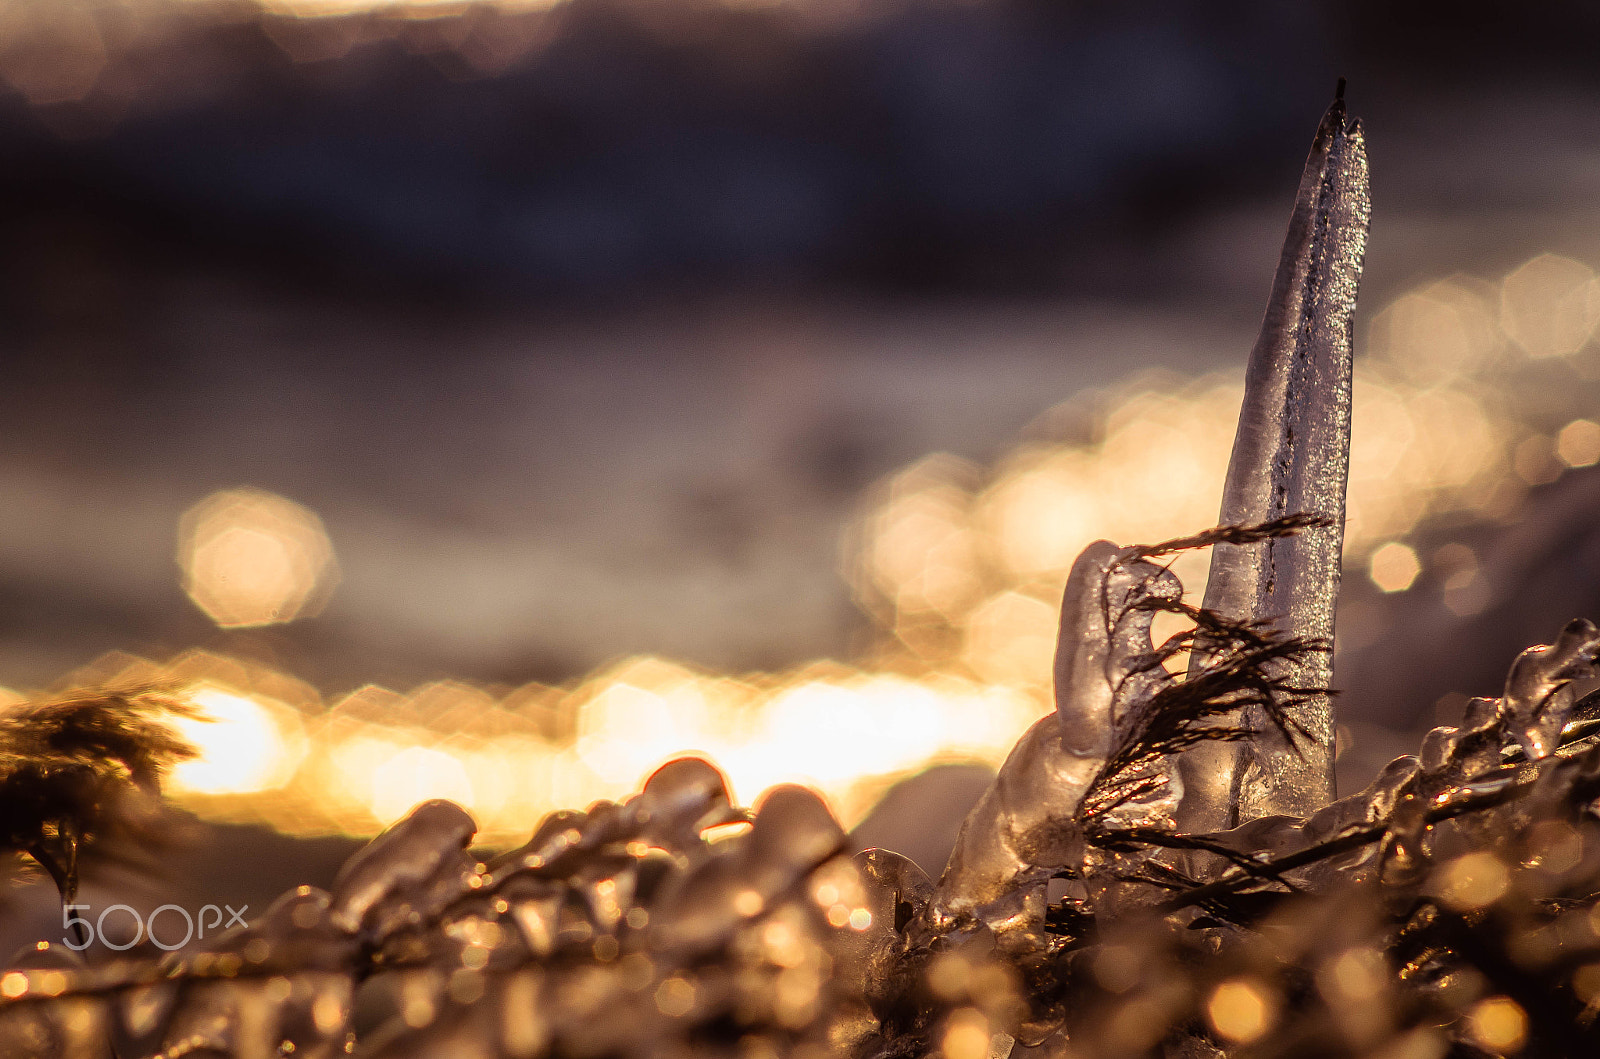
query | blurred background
(493,400)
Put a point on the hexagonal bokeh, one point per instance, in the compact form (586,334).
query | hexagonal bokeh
(250,557)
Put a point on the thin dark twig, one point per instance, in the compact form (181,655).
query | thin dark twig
(1286,526)
(1373,832)
(1150,836)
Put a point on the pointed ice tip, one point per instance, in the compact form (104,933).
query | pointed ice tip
(1337,125)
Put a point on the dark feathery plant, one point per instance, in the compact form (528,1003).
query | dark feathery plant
(72,770)
(1159,868)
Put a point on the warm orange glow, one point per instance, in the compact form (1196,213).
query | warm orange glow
(1240,1010)
(415,775)
(648,712)
(362,763)
(1499,1024)
(252,558)
(1438,332)
(922,552)
(1010,639)
(1471,882)
(245,744)
(966,1035)
(1356,977)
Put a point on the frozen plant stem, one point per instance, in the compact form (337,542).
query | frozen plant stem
(1291,454)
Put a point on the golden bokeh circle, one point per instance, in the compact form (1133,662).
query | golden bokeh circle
(250,557)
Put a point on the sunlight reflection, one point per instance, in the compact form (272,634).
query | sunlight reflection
(245,745)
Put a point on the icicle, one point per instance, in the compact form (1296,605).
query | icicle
(1291,455)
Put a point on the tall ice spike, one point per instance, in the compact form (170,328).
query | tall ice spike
(1291,454)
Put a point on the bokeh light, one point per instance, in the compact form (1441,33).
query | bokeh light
(1443,330)
(1550,306)
(1240,1010)
(275,753)
(1578,444)
(1499,1024)
(246,743)
(1472,881)
(416,774)
(1394,567)
(250,557)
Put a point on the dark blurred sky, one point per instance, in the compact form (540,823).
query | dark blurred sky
(585,330)
(994,148)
